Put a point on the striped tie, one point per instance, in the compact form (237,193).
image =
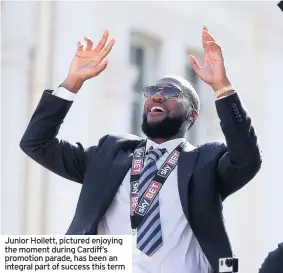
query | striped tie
(149,237)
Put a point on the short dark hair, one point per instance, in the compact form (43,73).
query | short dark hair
(188,90)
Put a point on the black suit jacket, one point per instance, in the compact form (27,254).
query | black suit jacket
(206,175)
(273,263)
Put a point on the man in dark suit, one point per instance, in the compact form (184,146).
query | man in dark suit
(131,184)
(273,263)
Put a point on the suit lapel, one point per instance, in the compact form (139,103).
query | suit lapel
(121,164)
(186,166)
(118,171)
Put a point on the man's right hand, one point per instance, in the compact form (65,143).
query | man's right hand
(87,63)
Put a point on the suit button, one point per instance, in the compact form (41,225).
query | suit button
(235,109)
(239,120)
(238,116)
(84,232)
(234,105)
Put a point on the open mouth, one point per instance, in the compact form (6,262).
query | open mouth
(156,109)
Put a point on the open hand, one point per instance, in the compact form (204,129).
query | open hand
(90,62)
(213,70)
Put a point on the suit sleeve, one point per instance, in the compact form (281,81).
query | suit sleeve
(242,158)
(41,144)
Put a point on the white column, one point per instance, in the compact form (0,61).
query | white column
(86,20)
(36,183)
(73,21)
(17,41)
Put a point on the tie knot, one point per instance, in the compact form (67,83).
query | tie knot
(155,154)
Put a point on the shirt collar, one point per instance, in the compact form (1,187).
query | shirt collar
(169,145)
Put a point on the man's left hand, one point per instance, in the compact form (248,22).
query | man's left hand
(213,70)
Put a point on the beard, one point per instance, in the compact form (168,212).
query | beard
(166,128)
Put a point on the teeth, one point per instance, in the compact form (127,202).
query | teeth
(156,108)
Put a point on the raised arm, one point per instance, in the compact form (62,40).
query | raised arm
(40,140)
(242,159)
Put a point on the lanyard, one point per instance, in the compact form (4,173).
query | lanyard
(139,208)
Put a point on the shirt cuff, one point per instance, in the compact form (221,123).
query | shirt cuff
(225,96)
(63,93)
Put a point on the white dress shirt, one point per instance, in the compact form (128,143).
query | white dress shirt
(180,251)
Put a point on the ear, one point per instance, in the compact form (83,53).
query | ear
(195,114)
(193,117)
